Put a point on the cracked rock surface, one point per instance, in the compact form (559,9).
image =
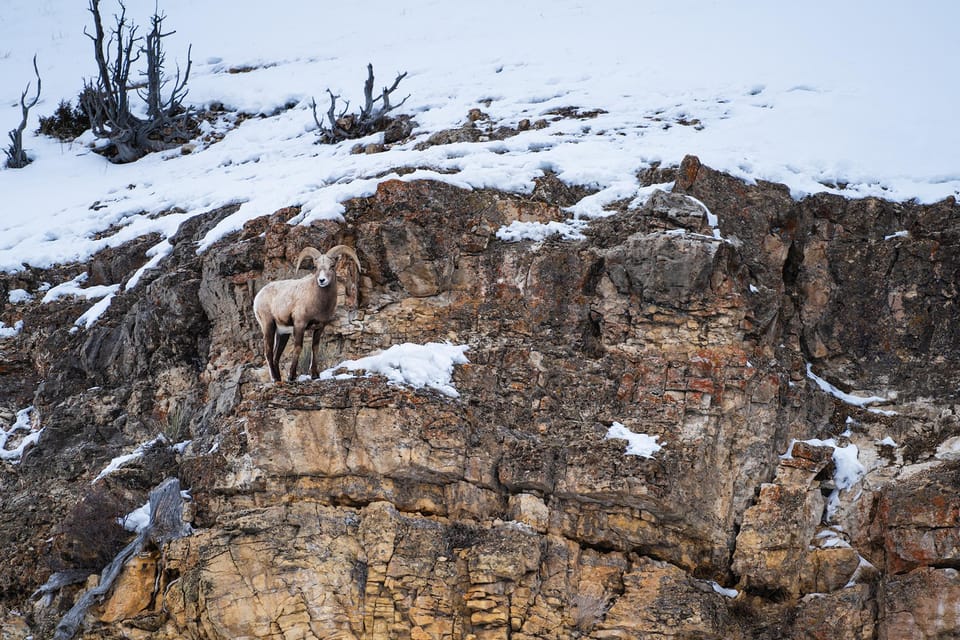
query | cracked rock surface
(354,508)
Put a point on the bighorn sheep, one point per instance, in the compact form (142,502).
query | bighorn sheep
(283,307)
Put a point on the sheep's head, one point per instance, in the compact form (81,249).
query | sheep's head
(325,264)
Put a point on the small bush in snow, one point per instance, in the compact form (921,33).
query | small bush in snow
(66,123)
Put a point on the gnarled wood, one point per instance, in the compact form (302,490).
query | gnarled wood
(166,524)
(16,156)
(372,116)
(107,100)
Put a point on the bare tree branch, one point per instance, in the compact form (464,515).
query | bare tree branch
(16,156)
(372,116)
(367,113)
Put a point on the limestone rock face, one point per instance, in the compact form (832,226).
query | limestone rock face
(355,508)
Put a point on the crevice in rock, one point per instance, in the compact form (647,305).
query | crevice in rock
(792,264)
(770,595)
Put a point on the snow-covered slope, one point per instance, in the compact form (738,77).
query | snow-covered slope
(813,95)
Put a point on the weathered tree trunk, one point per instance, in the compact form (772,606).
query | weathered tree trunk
(16,156)
(166,524)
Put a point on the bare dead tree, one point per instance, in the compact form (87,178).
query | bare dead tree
(107,100)
(16,157)
(372,117)
(166,524)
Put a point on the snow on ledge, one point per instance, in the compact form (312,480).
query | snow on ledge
(847,469)
(91,315)
(726,593)
(518,231)
(9,332)
(73,288)
(414,365)
(103,293)
(121,461)
(638,444)
(712,219)
(138,519)
(24,422)
(850,399)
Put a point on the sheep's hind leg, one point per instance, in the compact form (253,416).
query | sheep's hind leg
(297,349)
(272,358)
(314,349)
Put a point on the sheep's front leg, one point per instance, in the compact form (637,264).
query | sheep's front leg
(269,336)
(298,331)
(314,348)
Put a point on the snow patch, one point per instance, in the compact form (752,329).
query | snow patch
(949,449)
(104,293)
(73,288)
(645,193)
(863,566)
(93,314)
(9,332)
(857,401)
(727,593)
(180,447)
(136,520)
(638,444)
(156,253)
(847,468)
(518,231)
(830,538)
(27,420)
(17,296)
(712,219)
(414,365)
(136,454)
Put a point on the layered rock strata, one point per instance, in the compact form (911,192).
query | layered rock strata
(358,509)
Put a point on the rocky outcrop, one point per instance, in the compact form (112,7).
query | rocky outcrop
(359,509)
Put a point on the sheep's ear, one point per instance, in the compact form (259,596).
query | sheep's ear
(308,252)
(342,249)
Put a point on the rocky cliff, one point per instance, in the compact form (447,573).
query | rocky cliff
(797,361)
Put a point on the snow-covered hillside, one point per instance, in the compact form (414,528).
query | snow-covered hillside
(814,95)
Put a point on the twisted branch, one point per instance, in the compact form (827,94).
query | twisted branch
(16,156)
(371,118)
(166,524)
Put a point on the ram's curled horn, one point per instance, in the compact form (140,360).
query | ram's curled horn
(308,252)
(340,249)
